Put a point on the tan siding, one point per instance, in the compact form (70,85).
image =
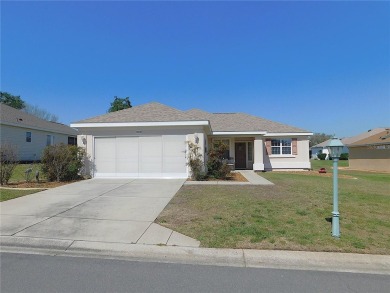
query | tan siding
(363,158)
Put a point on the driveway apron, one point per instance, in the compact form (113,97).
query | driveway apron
(99,210)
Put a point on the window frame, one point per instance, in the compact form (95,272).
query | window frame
(74,140)
(28,136)
(280,146)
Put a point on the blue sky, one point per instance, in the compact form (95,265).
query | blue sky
(321,66)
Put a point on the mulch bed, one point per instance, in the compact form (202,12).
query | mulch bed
(234,177)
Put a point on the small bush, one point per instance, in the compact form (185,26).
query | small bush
(321,156)
(216,164)
(344,156)
(62,162)
(195,162)
(8,162)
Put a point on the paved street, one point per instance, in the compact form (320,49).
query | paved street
(39,273)
(96,210)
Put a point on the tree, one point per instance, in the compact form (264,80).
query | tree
(8,155)
(11,100)
(40,113)
(317,138)
(120,104)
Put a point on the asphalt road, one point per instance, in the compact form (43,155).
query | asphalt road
(42,273)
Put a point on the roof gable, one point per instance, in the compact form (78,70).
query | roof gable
(220,122)
(151,112)
(18,118)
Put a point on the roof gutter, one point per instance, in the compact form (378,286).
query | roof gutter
(139,124)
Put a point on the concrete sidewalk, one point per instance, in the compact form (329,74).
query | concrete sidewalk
(252,177)
(301,260)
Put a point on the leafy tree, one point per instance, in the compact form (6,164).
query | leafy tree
(11,100)
(40,113)
(119,104)
(317,138)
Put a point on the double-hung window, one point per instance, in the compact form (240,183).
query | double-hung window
(49,140)
(281,147)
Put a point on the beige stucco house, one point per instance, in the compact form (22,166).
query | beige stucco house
(371,152)
(151,140)
(30,134)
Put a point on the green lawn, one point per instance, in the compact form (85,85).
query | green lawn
(7,194)
(290,215)
(19,172)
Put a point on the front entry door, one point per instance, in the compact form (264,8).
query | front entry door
(240,155)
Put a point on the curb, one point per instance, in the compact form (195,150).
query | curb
(245,258)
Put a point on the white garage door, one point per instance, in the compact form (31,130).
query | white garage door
(147,157)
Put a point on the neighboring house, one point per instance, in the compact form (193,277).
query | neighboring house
(30,134)
(371,152)
(321,148)
(151,140)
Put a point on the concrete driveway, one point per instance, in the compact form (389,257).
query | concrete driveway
(97,210)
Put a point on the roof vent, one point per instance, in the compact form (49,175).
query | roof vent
(19,119)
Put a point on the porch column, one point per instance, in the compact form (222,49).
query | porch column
(258,164)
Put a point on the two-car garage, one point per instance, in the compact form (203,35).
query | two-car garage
(161,156)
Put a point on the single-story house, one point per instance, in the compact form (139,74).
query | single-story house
(321,148)
(30,134)
(151,140)
(372,152)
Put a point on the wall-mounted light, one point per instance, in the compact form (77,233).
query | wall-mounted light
(196,137)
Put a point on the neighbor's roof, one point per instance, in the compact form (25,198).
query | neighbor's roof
(220,122)
(353,139)
(380,138)
(18,118)
(326,142)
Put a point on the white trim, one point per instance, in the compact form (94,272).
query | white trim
(281,156)
(281,134)
(140,124)
(239,133)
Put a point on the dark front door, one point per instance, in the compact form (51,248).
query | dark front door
(240,155)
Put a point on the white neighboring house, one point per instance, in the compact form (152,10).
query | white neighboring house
(151,141)
(321,148)
(30,134)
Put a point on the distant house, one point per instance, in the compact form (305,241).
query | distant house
(321,148)
(30,134)
(371,152)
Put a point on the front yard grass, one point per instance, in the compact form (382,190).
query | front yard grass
(291,215)
(7,194)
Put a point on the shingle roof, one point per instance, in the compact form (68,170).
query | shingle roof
(15,117)
(352,140)
(156,112)
(379,138)
(151,112)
